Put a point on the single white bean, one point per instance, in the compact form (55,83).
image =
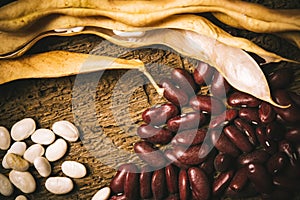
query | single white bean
(66,130)
(5,138)
(18,148)
(43,136)
(6,188)
(129,34)
(73,169)
(24,181)
(102,194)
(56,150)
(42,166)
(16,162)
(4,162)
(33,152)
(59,185)
(22,129)
(21,197)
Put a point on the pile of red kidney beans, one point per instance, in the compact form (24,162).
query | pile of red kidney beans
(225,143)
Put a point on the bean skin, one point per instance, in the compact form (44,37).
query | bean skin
(160,114)
(207,104)
(158,184)
(175,95)
(189,137)
(266,113)
(155,135)
(199,183)
(275,131)
(280,78)
(145,179)
(277,162)
(171,179)
(186,121)
(241,99)
(184,80)
(260,178)
(269,145)
(246,128)
(223,162)
(250,115)
(256,157)
(221,183)
(293,134)
(203,73)
(223,119)
(239,180)
(184,185)
(169,154)
(219,85)
(131,185)
(238,138)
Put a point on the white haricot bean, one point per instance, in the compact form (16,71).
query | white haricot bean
(66,130)
(43,136)
(18,148)
(42,166)
(56,150)
(102,194)
(4,163)
(5,138)
(73,169)
(24,181)
(16,162)
(21,197)
(6,188)
(59,185)
(22,129)
(33,152)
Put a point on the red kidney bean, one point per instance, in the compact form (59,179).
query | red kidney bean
(117,183)
(207,104)
(175,95)
(289,150)
(208,165)
(266,113)
(280,78)
(158,184)
(223,162)
(241,99)
(171,179)
(294,97)
(293,134)
(269,145)
(259,176)
(277,162)
(250,115)
(221,183)
(256,157)
(199,183)
(192,155)
(160,114)
(223,119)
(275,131)
(118,197)
(186,121)
(292,170)
(203,73)
(184,185)
(239,180)
(147,152)
(223,144)
(238,138)
(190,137)
(131,185)
(286,182)
(219,85)
(174,160)
(278,194)
(248,191)
(145,179)
(155,135)
(246,128)
(184,80)
(172,197)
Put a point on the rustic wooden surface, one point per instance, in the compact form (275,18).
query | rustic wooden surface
(99,108)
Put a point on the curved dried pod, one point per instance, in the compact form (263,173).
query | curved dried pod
(22,13)
(292,37)
(18,43)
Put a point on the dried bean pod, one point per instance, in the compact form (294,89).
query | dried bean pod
(256,157)
(260,178)
(239,180)
(186,121)
(171,179)
(155,135)
(221,183)
(219,86)
(184,185)
(158,184)
(277,162)
(175,95)
(190,137)
(145,179)
(199,183)
(184,80)
(246,128)
(269,145)
(207,104)
(266,113)
(131,184)
(241,99)
(203,73)
(250,115)
(280,78)
(223,162)
(223,119)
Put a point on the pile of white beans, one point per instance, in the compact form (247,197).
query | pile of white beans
(49,145)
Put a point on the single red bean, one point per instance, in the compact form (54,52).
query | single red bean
(238,138)
(208,104)
(145,179)
(266,113)
(171,179)
(248,191)
(173,197)
(175,95)
(118,197)
(277,162)
(241,99)
(223,144)
(160,114)
(246,128)
(208,165)
(256,157)
(158,184)
(250,115)
(151,155)
(203,73)
(294,97)
(286,182)
(261,179)
(222,182)
(275,131)
(223,119)
(223,162)
(239,180)
(169,154)
(287,148)
(186,121)
(155,135)
(269,145)
(278,194)
(184,185)
(184,80)
(118,181)
(219,85)
(199,183)
(280,78)
(131,185)
(292,170)
(293,134)
(190,137)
